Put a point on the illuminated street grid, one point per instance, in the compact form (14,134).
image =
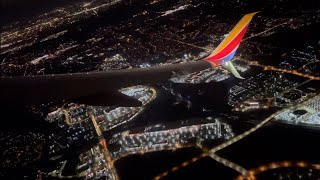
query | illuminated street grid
(111,117)
(74,120)
(267,90)
(93,164)
(15,37)
(260,86)
(170,139)
(208,75)
(74,126)
(86,123)
(308,114)
(212,152)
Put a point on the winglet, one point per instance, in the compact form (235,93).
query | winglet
(229,66)
(228,47)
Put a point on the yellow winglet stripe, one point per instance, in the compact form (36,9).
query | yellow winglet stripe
(234,32)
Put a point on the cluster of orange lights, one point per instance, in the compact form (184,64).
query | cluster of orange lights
(272,68)
(275,165)
(182,165)
(251,174)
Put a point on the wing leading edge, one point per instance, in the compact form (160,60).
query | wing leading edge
(94,88)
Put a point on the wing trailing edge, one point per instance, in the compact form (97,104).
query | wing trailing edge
(111,98)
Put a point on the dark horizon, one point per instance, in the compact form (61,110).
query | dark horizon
(15,10)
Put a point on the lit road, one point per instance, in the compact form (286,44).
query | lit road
(237,138)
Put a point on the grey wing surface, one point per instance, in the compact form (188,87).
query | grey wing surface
(94,88)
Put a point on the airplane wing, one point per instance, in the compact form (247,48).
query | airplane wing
(101,88)
(94,88)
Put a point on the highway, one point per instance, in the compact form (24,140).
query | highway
(213,151)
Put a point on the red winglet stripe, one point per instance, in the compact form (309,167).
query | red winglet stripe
(230,47)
